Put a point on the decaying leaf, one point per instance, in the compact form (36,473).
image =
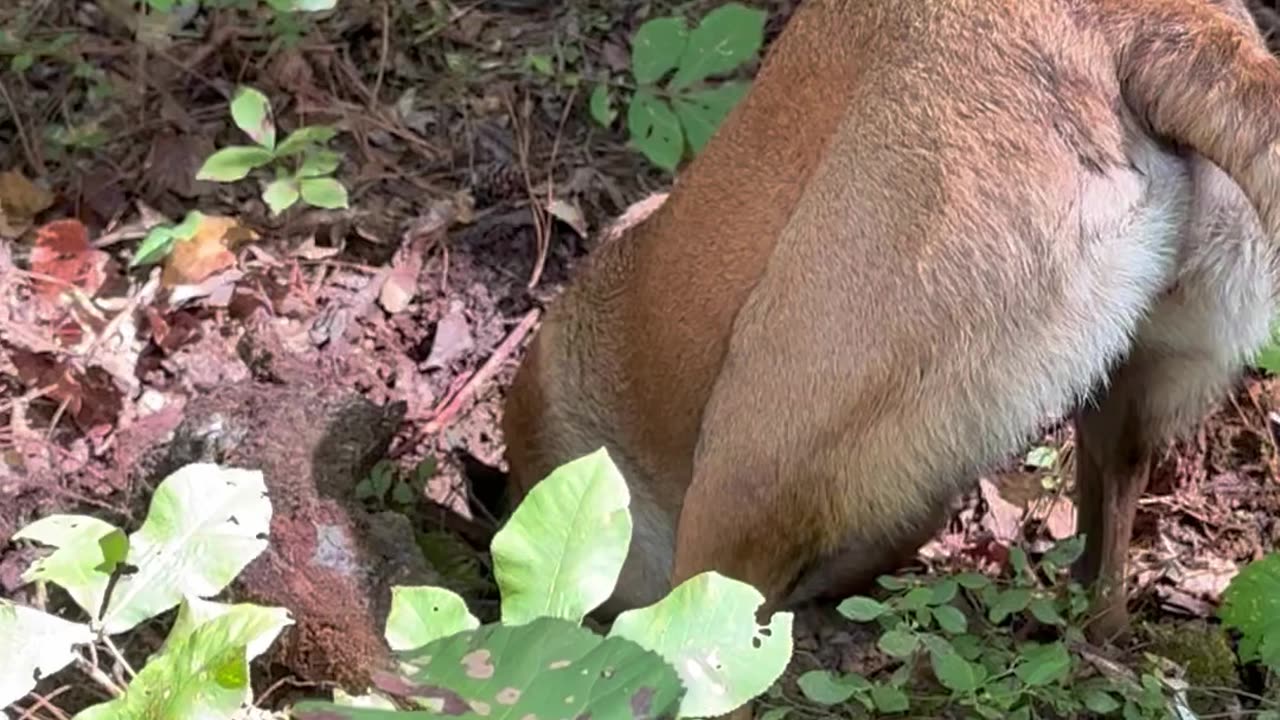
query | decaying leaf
(62,251)
(210,250)
(92,398)
(570,214)
(20,201)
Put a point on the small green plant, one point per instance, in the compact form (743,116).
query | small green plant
(1251,605)
(205,525)
(312,163)
(1268,358)
(962,626)
(665,121)
(387,489)
(698,652)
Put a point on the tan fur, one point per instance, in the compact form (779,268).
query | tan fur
(930,227)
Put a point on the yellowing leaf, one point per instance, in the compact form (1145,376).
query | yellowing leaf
(20,201)
(208,251)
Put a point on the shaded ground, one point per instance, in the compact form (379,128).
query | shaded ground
(460,125)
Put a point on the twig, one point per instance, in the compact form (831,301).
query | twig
(544,239)
(382,56)
(45,703)
(28,149)
(119,656)
(95,673)
(451,406)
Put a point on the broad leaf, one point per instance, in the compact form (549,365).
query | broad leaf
(547,668)
(862,609)
(233,163)
(656,48)
(318,163)
(898,643)
(953,671)
(889,699)
(420,615)
(1251,604)
(305,137)
(1007,603)
(205,525)
(324,193)
(36,645)
(160,239)
(203,675)
(560,553)
(702,112)
(706,628)
(601,105)
(281,194)
(950,619)
(827,688)
(727,37)
(252,113)
(655,130)
(1043,664)
(260,625)
(88,551)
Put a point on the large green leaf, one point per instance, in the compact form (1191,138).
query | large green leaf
(202,675)
(702,112)
(655,130)
(261,625)
(560,553)
(656,48)
(1251,604)
(88,551)
(252,112)
(727,37)
(36,645)
(706,628)
(420,615)
(547,668)
(206,523)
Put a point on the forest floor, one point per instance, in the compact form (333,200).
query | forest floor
(474,170)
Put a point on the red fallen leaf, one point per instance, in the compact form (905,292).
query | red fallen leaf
(92,398)
(172,332)
(62,251)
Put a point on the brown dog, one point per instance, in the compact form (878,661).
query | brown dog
(930,227)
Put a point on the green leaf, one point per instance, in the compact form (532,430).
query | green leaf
(1007,603)
(252,113)
(22,62)
(1042,457)
(601,105)
(862,609)
(546,668)
(159,241)
(892,582)
(1018,561)
(954,672)
(88,551)
(1044,610)
(890,699)
(1268,358)
(827,688)
(1043,664)
(950,619)
(944,591)
(318,163)
(898,643)
(233,163)
(258,625)
(420,615)
(206,523)
(657,47)
(973,581)
(727,37)
(36,645)
(702,112)
(916,599)
(305,138)
(1065,553)
(1099,702)
(1251,604)
(706,628)
(560,553)
(324,193)
(201,674)
(280,195)
(655,130)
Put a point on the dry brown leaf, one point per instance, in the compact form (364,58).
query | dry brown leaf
(20,201)
(570,214)
(209,251)
(62,251)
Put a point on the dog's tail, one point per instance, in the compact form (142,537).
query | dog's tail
(1202,78)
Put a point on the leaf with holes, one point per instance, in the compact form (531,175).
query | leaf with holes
(702,112)
(252,113)
(46,642)
(706,628)
(560,553)
(655,130)
(547,668)
(88,551)
(726,38)
(233,163)
(656,48)
(206,523)
(420,615)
